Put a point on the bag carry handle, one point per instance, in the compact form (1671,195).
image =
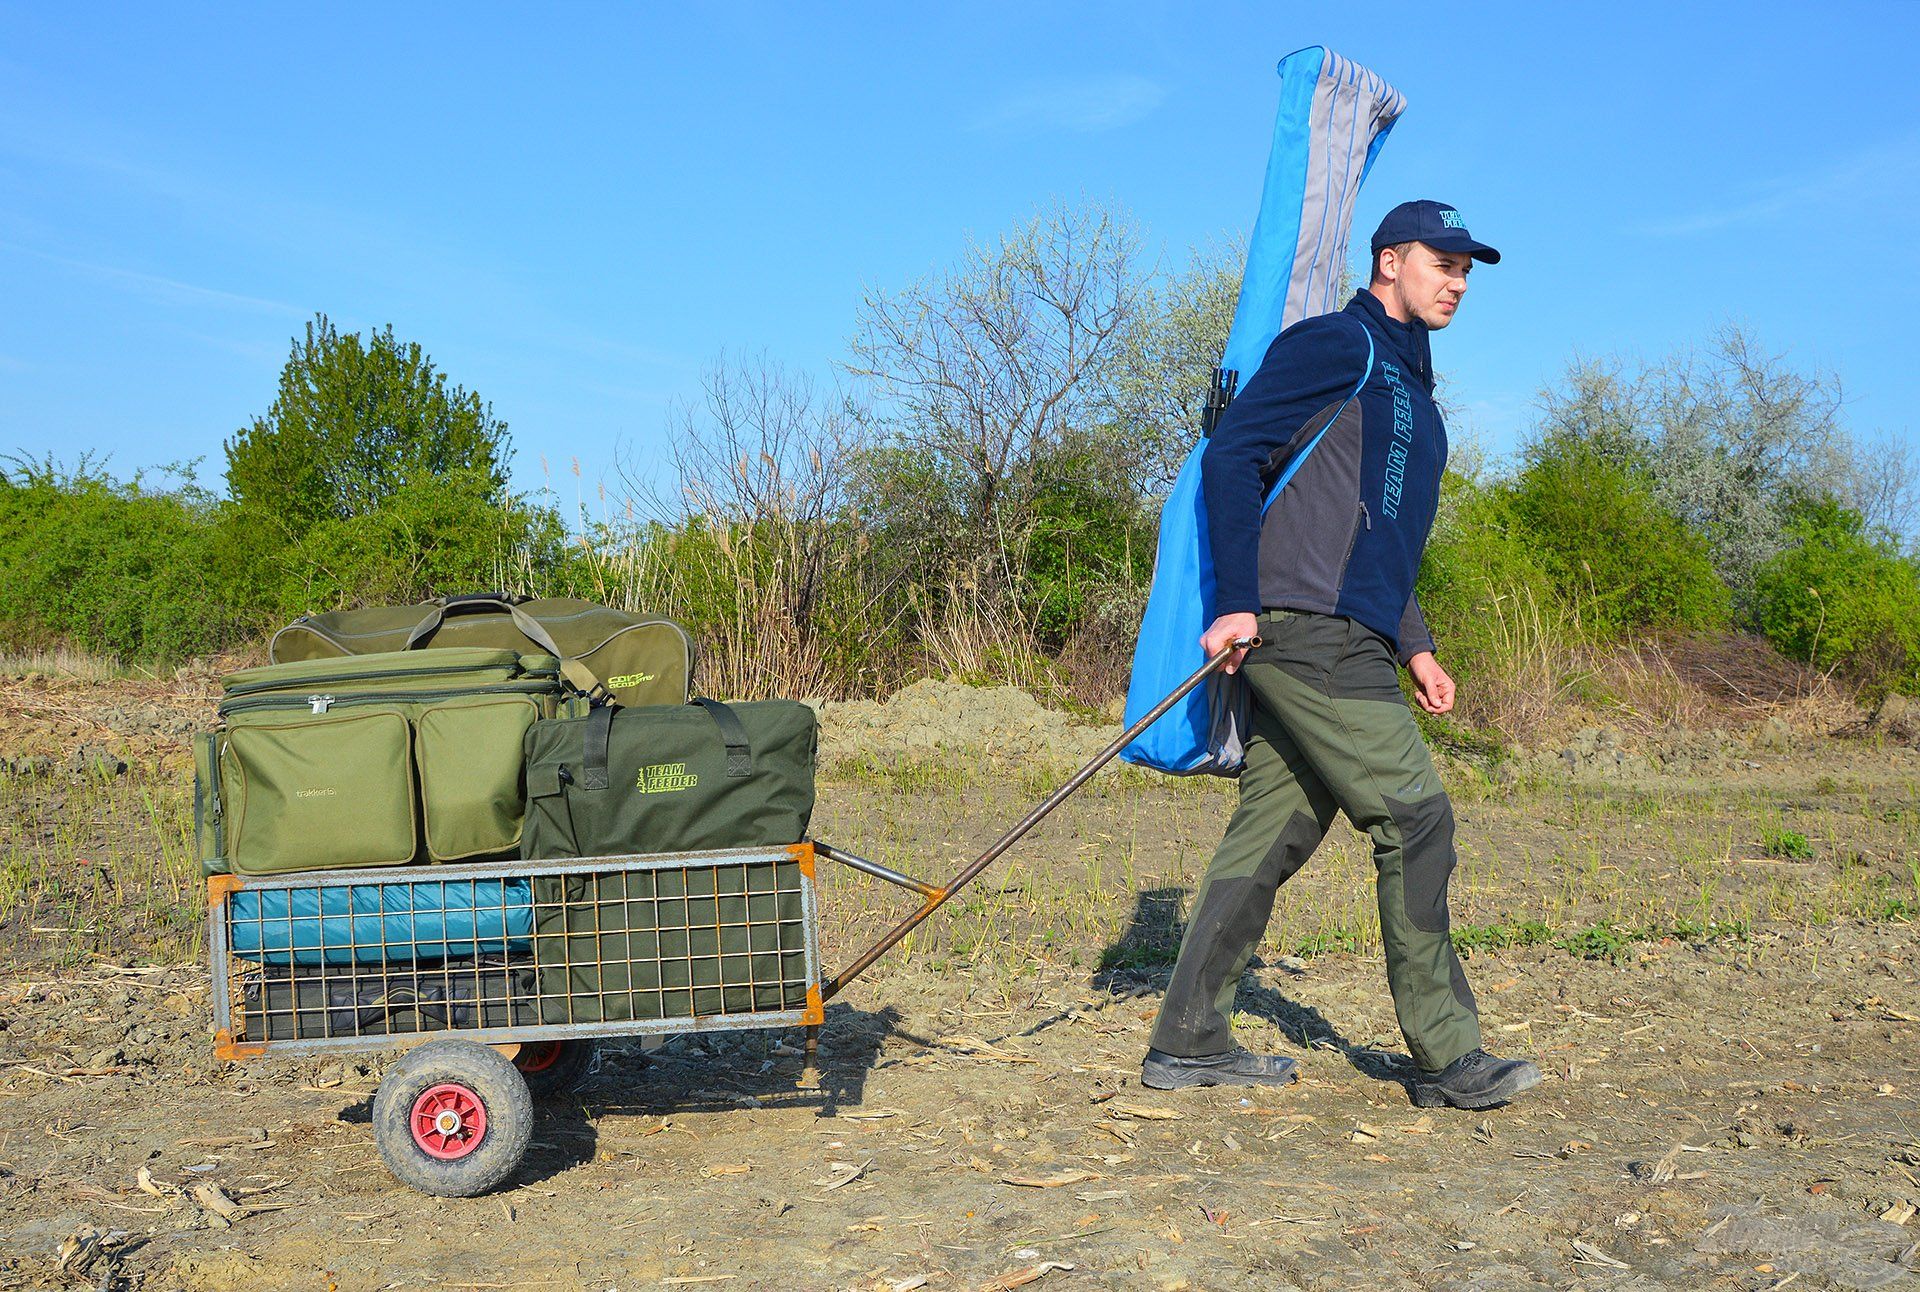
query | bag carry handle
(739,754)
(579,675)
(597,741)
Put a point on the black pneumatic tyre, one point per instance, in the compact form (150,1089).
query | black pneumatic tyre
(452,1118)
(554,1068)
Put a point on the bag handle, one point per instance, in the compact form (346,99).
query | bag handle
(739,752)
(597,740)
(577,674)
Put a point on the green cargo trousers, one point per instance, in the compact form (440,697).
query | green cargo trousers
(1331,732)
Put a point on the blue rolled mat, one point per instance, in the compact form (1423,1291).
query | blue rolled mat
(420,919)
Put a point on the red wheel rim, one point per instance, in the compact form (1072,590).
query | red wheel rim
(448,1122)
(538,1056)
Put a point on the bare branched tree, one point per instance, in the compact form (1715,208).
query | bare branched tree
(988,366)
(1164,363)
(1885,486)
(1730,434)
(763,443)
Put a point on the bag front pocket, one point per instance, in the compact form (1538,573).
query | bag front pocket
(206,803)
(318,794)
(469,754)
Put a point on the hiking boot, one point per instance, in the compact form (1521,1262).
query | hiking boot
(1474,1080)
(1237,1067)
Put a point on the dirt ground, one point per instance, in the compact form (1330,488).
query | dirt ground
(1727,1019)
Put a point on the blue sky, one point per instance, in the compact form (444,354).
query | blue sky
(576,208)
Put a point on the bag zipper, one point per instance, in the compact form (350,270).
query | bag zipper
(426,670)
(322,703)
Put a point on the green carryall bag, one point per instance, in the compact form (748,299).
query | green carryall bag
(670,778)
(677,941)
(638,659)
(680,940)
(376,760)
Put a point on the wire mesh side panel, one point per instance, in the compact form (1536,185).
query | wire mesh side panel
(631,944)
(672,941)
(395,957)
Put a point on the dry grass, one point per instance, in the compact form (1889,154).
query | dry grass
(99,868)
(1600,870)
(1534,658)
(65,662)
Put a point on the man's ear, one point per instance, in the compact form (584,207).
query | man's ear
(1386,265)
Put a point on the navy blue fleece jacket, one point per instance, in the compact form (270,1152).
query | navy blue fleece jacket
(1345,536)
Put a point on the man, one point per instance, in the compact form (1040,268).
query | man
(1342,410)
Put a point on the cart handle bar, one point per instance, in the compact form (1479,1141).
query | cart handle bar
(935,898)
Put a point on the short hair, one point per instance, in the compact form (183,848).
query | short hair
(1399,249)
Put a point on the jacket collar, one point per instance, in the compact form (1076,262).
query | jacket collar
(1407,340)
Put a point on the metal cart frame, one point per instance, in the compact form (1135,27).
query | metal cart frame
(431,1116)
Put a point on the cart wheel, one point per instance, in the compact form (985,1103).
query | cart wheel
(554,1068)
(452,1118)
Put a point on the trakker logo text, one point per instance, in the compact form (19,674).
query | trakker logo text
(324,792)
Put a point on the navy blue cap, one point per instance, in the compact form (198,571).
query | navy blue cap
(1434,223)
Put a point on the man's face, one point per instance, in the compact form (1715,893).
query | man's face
(1428,284)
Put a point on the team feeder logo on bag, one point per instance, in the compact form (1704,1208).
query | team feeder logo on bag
(665,778)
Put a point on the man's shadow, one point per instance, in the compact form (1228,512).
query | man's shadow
(1141,959)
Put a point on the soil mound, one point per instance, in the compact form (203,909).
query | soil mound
(933,718)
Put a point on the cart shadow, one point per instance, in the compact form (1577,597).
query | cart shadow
(1140,962)
(710,1072)
(722,1072)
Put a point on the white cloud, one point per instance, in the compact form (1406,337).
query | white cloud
(1082,105)
(1868,171)
(169,291)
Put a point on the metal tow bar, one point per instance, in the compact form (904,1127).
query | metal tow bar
(934,897)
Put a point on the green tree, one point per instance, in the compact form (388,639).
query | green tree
(355,422)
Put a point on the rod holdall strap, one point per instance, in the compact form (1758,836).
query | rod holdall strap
(739,753)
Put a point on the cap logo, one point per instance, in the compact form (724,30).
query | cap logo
(1450,218)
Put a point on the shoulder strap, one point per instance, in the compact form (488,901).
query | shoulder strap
(578,675)
(1293,467)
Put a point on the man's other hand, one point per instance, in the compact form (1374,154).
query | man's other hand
(1431,685)
(1227,630)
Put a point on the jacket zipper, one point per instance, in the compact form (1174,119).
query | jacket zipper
(326,679)
(1352,540)
(322,703)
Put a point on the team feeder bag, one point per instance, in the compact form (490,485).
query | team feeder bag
(670,778)
(376,760)
(638,659)
(677,941)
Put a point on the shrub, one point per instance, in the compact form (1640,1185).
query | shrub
(1502,630)
(1839,598)
(1608,544)
(110,567)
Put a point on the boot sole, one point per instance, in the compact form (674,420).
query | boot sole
(1161,1079)
(1429,1095)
